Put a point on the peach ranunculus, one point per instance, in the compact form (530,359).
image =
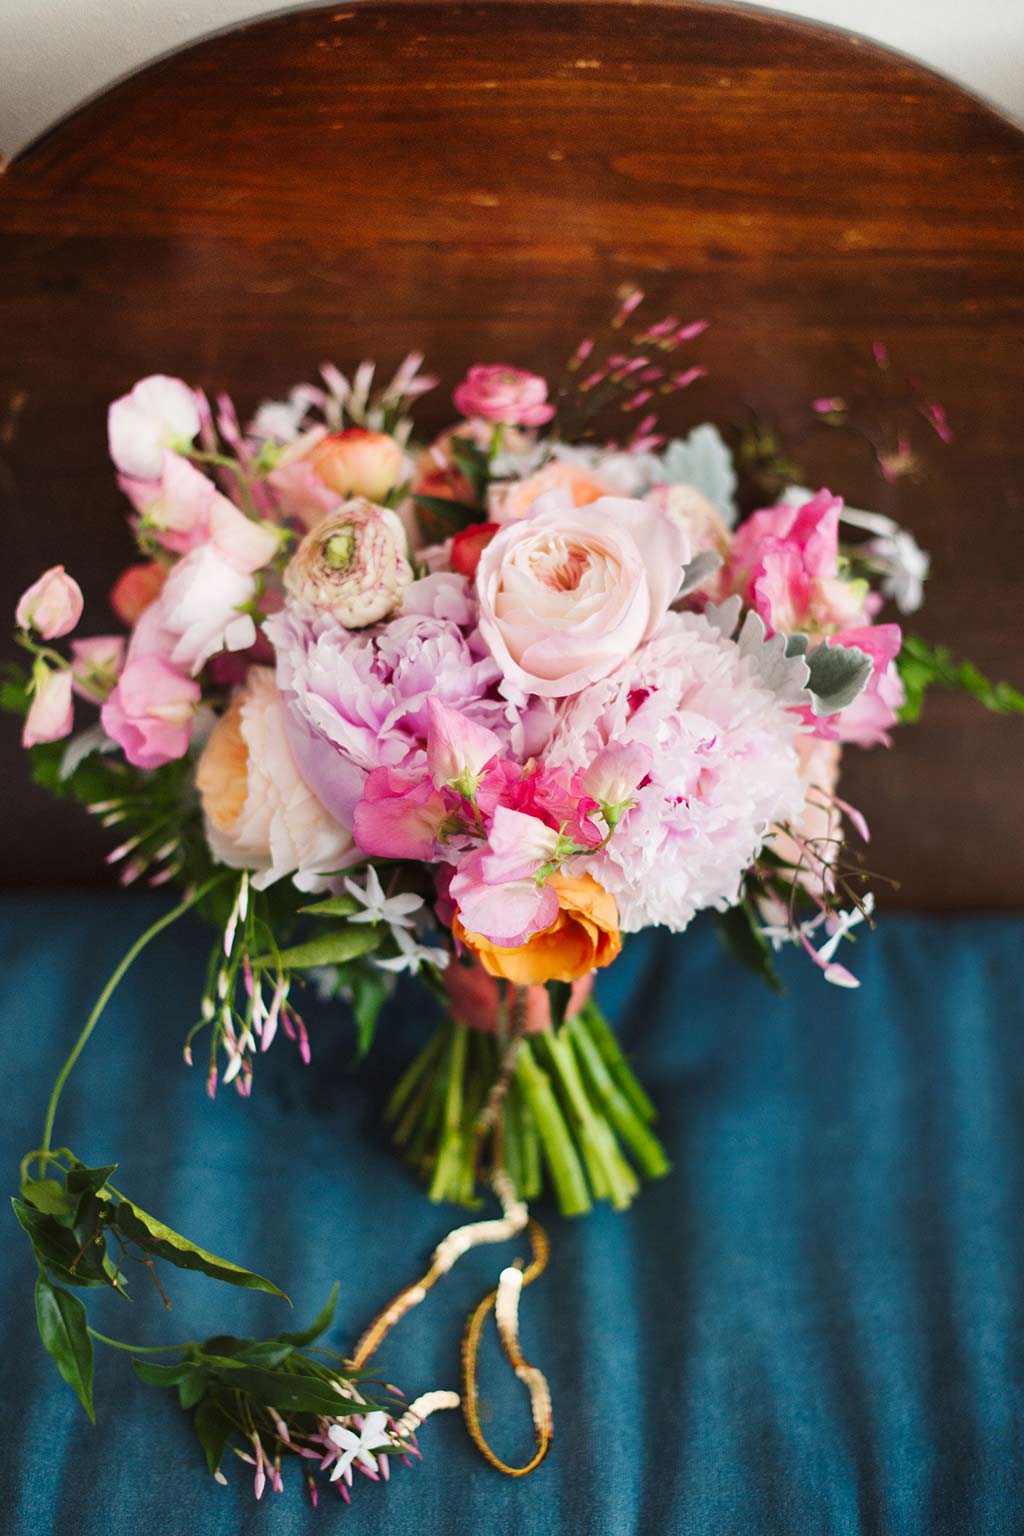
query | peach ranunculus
(567,595)
(259,813)
(511,500)
(357,462)
(583,938)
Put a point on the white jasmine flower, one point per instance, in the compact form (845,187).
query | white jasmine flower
(359,1447)
(413,955)
(396,911)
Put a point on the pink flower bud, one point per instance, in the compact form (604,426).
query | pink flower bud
(96,662)
(51,714)
(358,463)
(52,605)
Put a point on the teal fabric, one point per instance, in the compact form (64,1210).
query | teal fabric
(813,1327)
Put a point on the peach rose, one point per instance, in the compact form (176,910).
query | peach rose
(567,595)
(510,501)
(583,938)
(259,813)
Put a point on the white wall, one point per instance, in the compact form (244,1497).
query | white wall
(56,53)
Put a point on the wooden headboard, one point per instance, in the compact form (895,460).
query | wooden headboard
(478,178)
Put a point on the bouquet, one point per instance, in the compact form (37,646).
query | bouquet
(474,710)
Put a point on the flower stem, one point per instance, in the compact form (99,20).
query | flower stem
(142,1349)
(107,993)
(638,1136)
(559,1152)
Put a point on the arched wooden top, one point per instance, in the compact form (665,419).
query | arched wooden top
(476,179)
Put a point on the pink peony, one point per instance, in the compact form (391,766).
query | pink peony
(200,611)
(151,711)
(357,700)
(158,413)
(52,606)
(52,711)
(510,396)
(566,596)
(723,770)
(259,813)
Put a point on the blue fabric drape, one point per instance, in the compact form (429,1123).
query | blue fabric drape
(811,1328)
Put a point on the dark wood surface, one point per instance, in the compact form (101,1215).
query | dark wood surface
(477,179)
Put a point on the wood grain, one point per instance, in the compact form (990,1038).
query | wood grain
(478,179)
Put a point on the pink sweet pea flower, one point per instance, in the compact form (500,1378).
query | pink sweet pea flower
(868,720)
(95,664)
(158,413)
(200,611)
(52,606)
(458,749)
(508,913)
(616,772)
(150,712)
(189,511)
(784,561)
(505,395)
(399,816)
(51,713)
(517,847)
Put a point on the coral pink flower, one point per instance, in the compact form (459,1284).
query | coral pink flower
(137,587)
(566,596)
(512,500)
(52,606)
(51,713)
(502,394)
(150,712)
(158,413)
(475,998)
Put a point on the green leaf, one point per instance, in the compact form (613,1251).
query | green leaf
(63,1329)
(838,674)
(474,463)
(268,1353)
(55,1246)
(559,993)
(370,990)
(48,1196)
(213,1427)
(923,666)
(163,1375)
(333,906)
(319,1325)
(88,1181)
(156,1238)
(739,931)
(192,1387)
(330,949)
(287,1392)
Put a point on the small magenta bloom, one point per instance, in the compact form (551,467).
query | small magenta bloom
(52,606)
(150,712)
(509,396)
(51,713)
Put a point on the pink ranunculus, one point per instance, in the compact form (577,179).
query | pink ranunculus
(458,749)
(200,611)
(96,664)
(52,606)
(352,565)
(566,596)
(150,712)
(158,413)
(190,511)
(867,721)
(502,394)
(51,713)
(399,816)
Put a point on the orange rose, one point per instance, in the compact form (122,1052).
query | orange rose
(583,937)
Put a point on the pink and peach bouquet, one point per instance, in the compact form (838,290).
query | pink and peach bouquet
(474,707)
